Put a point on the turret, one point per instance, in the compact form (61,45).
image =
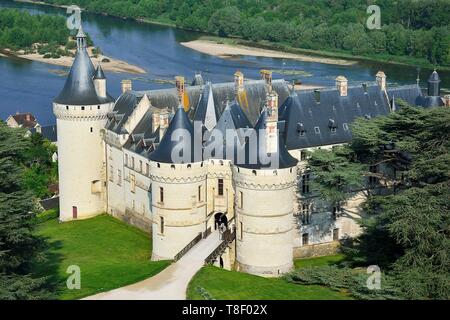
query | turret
(100,82)
(264,186)
(81,110)
(178,194)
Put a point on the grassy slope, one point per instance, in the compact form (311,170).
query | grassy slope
(109,253)
(222,285)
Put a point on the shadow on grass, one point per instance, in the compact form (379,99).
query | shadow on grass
(48,265)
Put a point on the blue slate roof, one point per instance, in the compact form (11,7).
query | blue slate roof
(310,123)
(79,88)
(256,155)
(184,141)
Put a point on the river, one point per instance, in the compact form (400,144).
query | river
(31,86)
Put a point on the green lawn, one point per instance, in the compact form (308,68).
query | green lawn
(110,254)
(319,261)
(221,284)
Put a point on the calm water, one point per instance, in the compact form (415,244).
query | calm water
(31,86)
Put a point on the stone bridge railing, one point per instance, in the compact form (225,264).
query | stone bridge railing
(228,237)
(188,247)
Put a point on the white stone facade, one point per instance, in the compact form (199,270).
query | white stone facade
(81,154)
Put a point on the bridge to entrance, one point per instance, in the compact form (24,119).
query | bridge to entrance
(172,282)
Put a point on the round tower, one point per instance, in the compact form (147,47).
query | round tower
(178,195)
(265,199)
(81,109)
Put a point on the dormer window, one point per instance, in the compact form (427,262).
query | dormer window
(317,130)
(301,129)
(345,126)
(332,125)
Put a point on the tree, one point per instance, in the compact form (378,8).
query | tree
(406,231)
(19,247)
(225,22)
(334,176)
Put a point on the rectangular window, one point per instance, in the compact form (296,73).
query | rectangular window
(132,162)
(119,177)
(111,173)
(305,239)
(220,186)
(199,193)
(147,169)
(241,230)
(335,234)
(140,166)
(126,159)
(241,200)
(305,183)
(306,213)
(133,183)
(161,225)
(161,194)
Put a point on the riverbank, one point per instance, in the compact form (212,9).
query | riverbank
(310,55)
(227,50)
(108,64)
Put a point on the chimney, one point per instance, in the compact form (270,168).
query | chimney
(381,80)
(266,75)
(39,129)
(126,85)
(342,85)
(272,122)
(163,122)
(181,90)
(28,117)
(155,121)
(238,82)
(447,100)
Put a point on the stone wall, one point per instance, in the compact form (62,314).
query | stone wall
(133,218)
(316,250)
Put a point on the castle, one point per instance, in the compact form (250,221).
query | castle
(173,161)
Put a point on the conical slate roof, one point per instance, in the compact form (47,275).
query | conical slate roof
(206,111)
(99,74)
(239,117)
(256,156)
(182,131)
(79,88)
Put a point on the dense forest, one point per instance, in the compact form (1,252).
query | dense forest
(409,28)
(20,30)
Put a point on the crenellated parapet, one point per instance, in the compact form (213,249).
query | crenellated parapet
(278,179)
(178,173)
(82,113)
